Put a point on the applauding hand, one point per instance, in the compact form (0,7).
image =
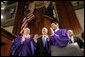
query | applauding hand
(52,32)
(28,37)
(47,37)
(23,39)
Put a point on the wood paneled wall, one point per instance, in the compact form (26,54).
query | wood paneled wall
(66,14)
(6,42)
(6,47)
(19,16)
(67,17)
(39,22)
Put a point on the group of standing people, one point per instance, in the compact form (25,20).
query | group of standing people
(27,45)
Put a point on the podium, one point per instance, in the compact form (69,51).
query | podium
(70,50)
(6,42)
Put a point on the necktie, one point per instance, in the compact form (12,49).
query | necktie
(72,40)
(43,41)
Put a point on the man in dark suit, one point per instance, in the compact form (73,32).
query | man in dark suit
(75,39)
(42,46)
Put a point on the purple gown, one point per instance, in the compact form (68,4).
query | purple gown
(19,49)
(60,39)
(33,46)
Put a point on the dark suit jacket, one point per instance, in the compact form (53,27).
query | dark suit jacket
(40,50)
(79,41)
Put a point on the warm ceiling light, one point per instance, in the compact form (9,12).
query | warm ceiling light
(1,3)
(2,8)
(1,16)
(4,1)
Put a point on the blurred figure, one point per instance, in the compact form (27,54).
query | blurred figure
(70,32)
(75,39)
(82,35)
(82,50)
(33,45)
(59,37)
(42,47)
(21,45)
(35,37)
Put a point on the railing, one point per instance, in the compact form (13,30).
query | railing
(6,42)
